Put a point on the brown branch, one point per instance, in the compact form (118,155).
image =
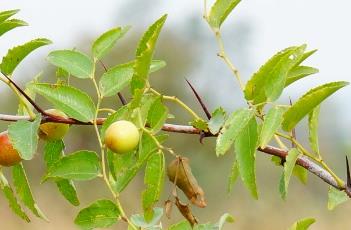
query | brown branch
(302,160)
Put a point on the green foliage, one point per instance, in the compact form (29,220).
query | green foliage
(271,124)
(151,224)
(232,127)
(245,152)
(308,102)
(72,101)
(288,170)
(313,129)
(7,14)
(233,176)
(298,73)
(220,11)
(217,120)
(24,137)
(80,165)
(336,197)
(15,55)
(74,62)
(157,115)
(303,224)
(107,40)
(100,214)
(184,225)
(144,55)
(10,25)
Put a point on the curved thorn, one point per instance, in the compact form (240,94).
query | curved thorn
(203,106)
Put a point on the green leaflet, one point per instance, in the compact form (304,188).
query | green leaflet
(10,196)
(7,14)
(299,72)
(303,224)
(288,170)
(236,122)
(245,152)
(144,55)
(53,151)
(308,102)
(184,225)
(80,165)
(73,102)
(120,76)
(23,190)
(100,214)
(24,137)
(220,11)
(271,124)
(107,40)
(74,62)
(140,221)
(336,197)
(217,120)
(10,25)
(15,55)
(154,180)
(313,129)
(268,83)
(157,115)
(233,176)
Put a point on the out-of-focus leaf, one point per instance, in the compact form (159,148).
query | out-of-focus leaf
(271,124)
(23,190)
(144,55)
(154,180)
(74,62)
(336,197)
(73,102)
(308,102)
(8,25)
(225,218)
(303,224)
(217,120)
(100,214)
(288,170)
(120,76)
(245,152)
(139,220)
(199,124)
(15,55)
(157,115)
(24,137)
(299,72)
(313,129)
(301,173)
(107,40)
(80,165)
(7,14)
(10,196)
(234,173)
(220,11)
(183,225)
(236,122)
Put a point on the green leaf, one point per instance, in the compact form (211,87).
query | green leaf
(217,120)
(120,76)
(154,180)
(298,73)
(225,218)
(303,224)
(268,83)
(308,102)
(336,197)
(100,214)
(80,165)
(234,173)
(288,170)
(144,55)
(199,124)
(271,124)
(313,129)
(183,225)
(236,122)
(73,102)
(53,151)
(140,221)
(301,173)
(11,24)
(24,137)
(157,115)
(74,62)
(10,196)
(107,40)
(245,149)
(15,55)
(220,11)
(7,14)
(23,190)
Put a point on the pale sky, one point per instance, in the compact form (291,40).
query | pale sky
(274,25)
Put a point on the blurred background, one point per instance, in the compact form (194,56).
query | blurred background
(253,32)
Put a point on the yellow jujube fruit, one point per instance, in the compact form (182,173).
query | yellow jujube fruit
(51,130)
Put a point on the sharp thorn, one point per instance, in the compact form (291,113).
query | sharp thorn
(204,108)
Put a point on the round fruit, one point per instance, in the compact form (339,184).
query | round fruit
(51,130)
(8,155)
(122,136)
